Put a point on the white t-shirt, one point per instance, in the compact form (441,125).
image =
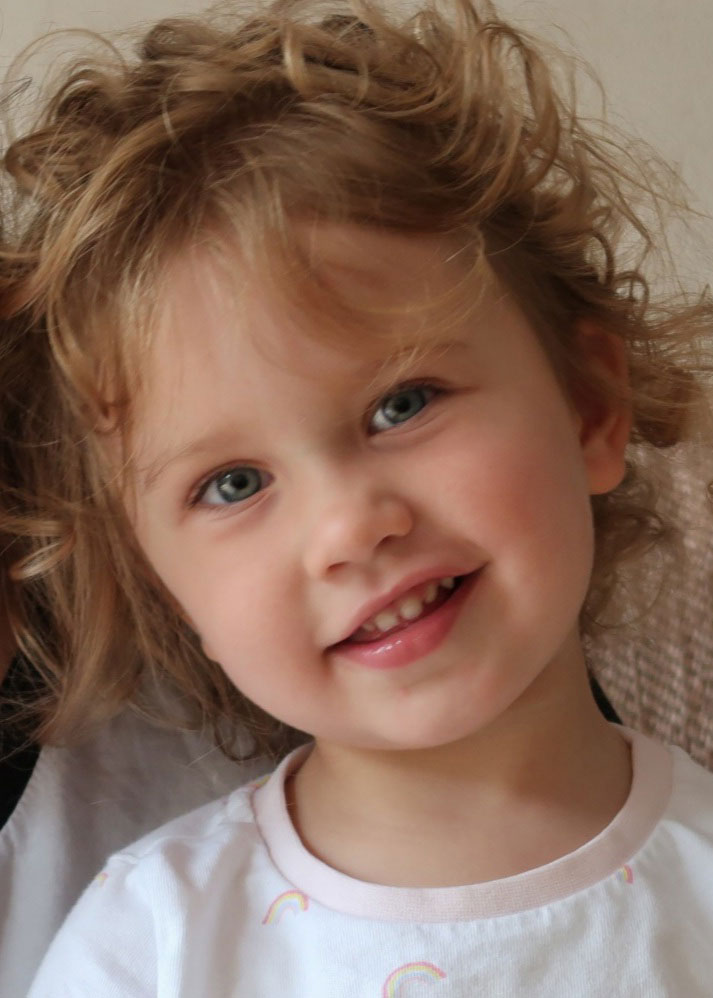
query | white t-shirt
(79,806)
(227,903)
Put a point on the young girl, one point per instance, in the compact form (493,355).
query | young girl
(335,333)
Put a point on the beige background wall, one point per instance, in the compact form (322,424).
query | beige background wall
(652,55)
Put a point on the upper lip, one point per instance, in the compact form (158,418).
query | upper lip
(373,606)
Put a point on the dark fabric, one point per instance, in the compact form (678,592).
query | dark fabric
(603,702)
(18,755)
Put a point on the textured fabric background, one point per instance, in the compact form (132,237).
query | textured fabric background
(657,668)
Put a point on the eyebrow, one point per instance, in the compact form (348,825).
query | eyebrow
(151,473)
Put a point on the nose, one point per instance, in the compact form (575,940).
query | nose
(353,526)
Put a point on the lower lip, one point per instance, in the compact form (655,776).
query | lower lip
(413,642)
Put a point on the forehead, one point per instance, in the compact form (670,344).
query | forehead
(347,291)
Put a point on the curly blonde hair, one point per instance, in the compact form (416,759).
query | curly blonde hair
(447,122)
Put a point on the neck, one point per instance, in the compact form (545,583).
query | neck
(534,785)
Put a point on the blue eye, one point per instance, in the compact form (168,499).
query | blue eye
(232,486)
(400,406)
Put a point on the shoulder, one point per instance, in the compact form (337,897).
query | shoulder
(193,841)
(126,779)
(691,802)
(669,787)
(84,803)
(127,923)
(678,851)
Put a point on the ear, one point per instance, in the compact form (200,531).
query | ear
(603,405)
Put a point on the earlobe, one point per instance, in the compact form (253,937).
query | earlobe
(604,407)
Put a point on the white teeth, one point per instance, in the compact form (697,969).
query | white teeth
(410,608)
(386,620)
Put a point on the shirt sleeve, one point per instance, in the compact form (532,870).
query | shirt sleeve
(106,947)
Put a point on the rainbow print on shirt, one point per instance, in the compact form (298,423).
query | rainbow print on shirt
(625,874)
(294,901)
(393,985)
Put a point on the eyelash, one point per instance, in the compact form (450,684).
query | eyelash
(431,389)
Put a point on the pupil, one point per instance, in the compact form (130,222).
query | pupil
(403,405)
(239,484)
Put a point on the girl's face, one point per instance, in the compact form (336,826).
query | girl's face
(380,551)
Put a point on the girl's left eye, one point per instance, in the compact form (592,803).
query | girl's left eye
(400,406)
(232,486)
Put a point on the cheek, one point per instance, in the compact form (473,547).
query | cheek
(240,604)
(206,578)
(521,489)
(238,625)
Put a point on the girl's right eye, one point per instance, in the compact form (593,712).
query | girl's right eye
(230,487)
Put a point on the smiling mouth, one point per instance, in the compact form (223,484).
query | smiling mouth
(407,610)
